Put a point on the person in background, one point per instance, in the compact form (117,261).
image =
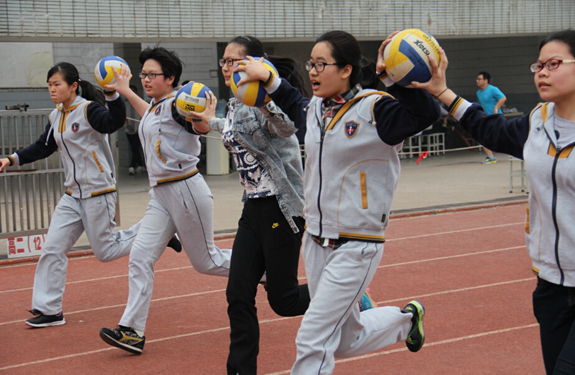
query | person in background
(131,130)
(491,99)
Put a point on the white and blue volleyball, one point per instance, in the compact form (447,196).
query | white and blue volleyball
(191,98)
(252,94)
(105,74)
(407,56)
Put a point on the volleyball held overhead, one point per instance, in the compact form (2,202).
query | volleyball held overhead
(407,56)
(105,74)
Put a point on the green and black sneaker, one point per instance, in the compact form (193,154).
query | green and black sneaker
(124,338)
(416,336)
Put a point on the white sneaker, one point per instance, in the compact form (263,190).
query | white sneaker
(131,171)
(140,169)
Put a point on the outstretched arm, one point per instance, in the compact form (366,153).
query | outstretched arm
(122,86)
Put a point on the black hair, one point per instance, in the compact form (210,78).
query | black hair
(168,60)
(564,36)
(85,89)
(286,66)
(486,76)
(345,50)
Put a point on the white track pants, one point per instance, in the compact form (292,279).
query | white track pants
(185,207)
(333,326)
(71,218)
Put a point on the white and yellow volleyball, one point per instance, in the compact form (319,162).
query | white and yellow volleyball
(407,56)
(253,93)
(191,98)
(105,74)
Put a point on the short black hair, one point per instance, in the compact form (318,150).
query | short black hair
(486,76)
(168,60)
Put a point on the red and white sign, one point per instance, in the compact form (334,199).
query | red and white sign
(25,246)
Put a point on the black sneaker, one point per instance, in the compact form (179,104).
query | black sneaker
(175,244)
(124,338)
(40,320)
(416,337)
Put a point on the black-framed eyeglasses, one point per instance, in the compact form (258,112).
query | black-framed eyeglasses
(549,64)
(149,75)
(319,66)
(229,62)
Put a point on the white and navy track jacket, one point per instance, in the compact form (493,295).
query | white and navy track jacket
(550,224)
(171,144)
(80,133)
(352,170)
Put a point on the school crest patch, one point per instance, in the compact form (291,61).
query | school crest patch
(351,128)
(75,127)
(158,110)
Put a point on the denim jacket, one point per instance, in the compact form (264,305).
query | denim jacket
(269,136)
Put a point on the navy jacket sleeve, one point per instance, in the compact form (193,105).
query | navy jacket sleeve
(41,149)
(182,121)
(495,132)
(410,112)
(107,121)
(292,103)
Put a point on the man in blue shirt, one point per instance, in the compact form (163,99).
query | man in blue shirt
(491,99)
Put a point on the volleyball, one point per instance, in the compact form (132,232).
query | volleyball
(253,93)
(191,97)
(105,74)
(407,56)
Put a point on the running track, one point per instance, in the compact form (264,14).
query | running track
(470,269)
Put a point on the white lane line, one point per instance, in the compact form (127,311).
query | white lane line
(453,256)
(442,342)
(456,290)
(454,231)
(436,343)
(300,278)
(388,265)
(98,279)
(148,342)
(124,305)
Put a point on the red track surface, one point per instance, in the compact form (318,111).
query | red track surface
(470,269)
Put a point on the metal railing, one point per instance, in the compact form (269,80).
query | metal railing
(29,193)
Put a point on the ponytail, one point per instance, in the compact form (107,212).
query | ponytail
(287,67)
(368,76)
(90,92)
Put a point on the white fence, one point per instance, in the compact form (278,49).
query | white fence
(29,193)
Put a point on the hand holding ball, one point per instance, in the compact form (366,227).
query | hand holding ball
(407,56)
(104,71)
(253,93)
(191,98)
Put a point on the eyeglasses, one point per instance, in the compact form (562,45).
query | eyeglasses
(228,62)
(149,75)
(479,79)
(319,66)
(549,64)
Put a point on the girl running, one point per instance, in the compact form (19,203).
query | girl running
(79,128)
(268,159)
(354,136)
(544,139)
(181,201)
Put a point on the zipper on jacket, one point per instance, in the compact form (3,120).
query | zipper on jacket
(320,184)
(554,214)
(62,124)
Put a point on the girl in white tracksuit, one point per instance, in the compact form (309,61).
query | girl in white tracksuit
(545,139)
(181,201)
(353,140)
(79,129)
